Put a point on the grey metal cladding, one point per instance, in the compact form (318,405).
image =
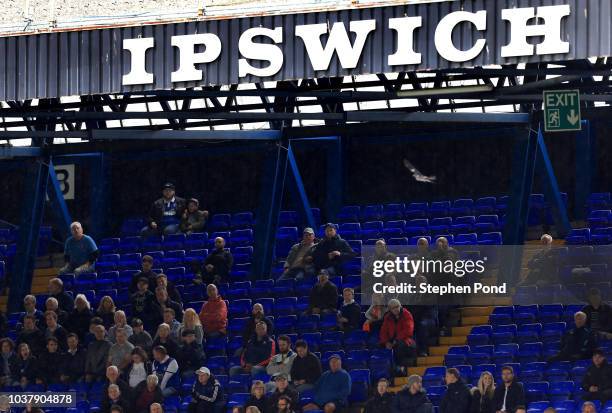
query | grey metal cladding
(92,61)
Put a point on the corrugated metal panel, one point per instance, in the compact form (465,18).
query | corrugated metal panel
(91,62)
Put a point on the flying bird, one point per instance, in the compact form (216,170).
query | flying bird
(417,175)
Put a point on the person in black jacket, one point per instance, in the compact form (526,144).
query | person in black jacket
(577,343)
(412,398)
(73,364)
(349,315)
(55,330)
(217,265)
(258,396)
(25,368)
(257,315)
(510,397)
(146,393)
(146,271)
(64,300)
(382,400)
(257,353)
(283,389)
(599,315)
(190,354)
(482,394)
(142,304)
(114,397)
(31,334)
(8,359)
(206,394)
(161,302)
(79,319)
(173,293)
(306,368)
(331,252)
(49,363)
(165,213)
(597,382)
(457,396)
(323,297)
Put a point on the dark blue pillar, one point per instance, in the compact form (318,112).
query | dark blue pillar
(35,184)
(272,185)
(296,186)
(586,167)
(335,179)
(58,204)
(548,180)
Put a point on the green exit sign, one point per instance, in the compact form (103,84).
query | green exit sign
(562,111)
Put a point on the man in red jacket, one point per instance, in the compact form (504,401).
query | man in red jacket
(396,333)
(213,314)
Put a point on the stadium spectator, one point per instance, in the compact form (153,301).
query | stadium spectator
(257,315)
(80,254)
(282,361)
(332,389)
(147,393)
(73,365)
(577,343)
(257,353)
(323,297)
(165,213)
(331,252)
(382,400)
(306,368)
(282,389)
(8,360)
(164,338)
(258,396)
(217,265)
(106,311)
(31,335)
(213,314)
(543,265)
(80,317)
(299,261)
(190,354)
(25,368)
(349,315)
(29,305)
(120,353)
(509,397)
(120,323)
(412,397)
(51,304)
(166,368)
(550,409)
(457,397)
(381,253)
(588,407)
(252,409)
(161,302)
(206,394)
(173,293)
(91,335)
(140,338)
(375,314)
(138,369)
(49,362)
(55,330)
(599,315)
(284,404)
(422,251)
(170,319)
(97,355)
(597,382)
(142,303)
(482,394)
(114,397)
(192,219)
(191,321)
(156,408)
(113,378)
(396,334)
(146,271)
(56,290)
(116,409)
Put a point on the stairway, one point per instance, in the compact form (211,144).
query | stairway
(40,282)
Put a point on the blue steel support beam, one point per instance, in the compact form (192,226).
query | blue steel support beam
(36,179)
(335,179)
(273,181)
(586,167)
(523,168)
(99,195)
(58,204)
(550,186)
(297,188)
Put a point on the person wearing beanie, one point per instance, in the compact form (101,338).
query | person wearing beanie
(412,398)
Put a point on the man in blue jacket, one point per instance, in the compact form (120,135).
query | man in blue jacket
(332,389)
(206,394)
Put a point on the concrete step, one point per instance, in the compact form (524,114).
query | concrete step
(476,311)
(462,331)
(453,340)
(430,361)
(50,271)
(420,370)
(438,350)
(475,320)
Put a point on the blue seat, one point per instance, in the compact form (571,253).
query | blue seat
(285,305)
(578,236)
(463,224)
(536,391)
(440,225)
(393,212)
(490,238)
(481,355)
(349,213)
(241,220)
(283,288)
(285,324)
(240,308)
(456,355)
(529,333)
(439,209)
(350,230)
(359,386)
(462,206)
(553,331)
(416,210)
(434,376)
(533,371)
(600,218)
(288,219)
(394,229)
(313,339)
(262,289)
(220,222)
(485,205)
(560,390)
(241,237)
(417,227)
(174,242)
(237,399)
(505,353)
(480,335)
(504,333)
(435,394)
(356,359)
(487,223)
(371,230)
(196,241)
(466,239)
(308,323)
(398,241)
(372,213)
(356,340)
(332,341)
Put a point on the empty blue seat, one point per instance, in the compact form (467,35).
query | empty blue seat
(241,220)
(416,210)
(439,209)
(505,353)
(371,229)
(174,242)
(536,390)
(553,331)
(578,236)
(196,241)
(463,206)
(490,238)
(528,333)
(285,305)
(393,212)
(349,213)
(434,376)
(560,390)
(599,218)
(504,333)
(372,213)
(220,222)
(356,359)
(394,229)
(288,219)
(456,355)
(487,223)
(109,245)
(240,308)
(237,399)
(440,225)
(485,205)
(466,239)
(480,335)
(350,230)
(417,227)
(241,237)
(463,224)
